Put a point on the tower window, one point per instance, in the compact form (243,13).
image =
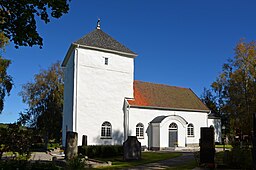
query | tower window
(106,60)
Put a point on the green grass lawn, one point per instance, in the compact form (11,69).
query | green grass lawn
(7,154)
(18,157)
(147,157)
(222,146)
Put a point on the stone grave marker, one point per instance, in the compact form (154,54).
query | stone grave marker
(71,149)
(207,146)
(132,148)
(84,140)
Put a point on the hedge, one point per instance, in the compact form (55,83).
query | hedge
(26,165)
(93,151)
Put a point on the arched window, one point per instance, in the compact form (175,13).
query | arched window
(190,130)
(106,130)
(140,130)
(173,126)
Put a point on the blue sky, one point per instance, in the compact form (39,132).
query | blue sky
(178,42)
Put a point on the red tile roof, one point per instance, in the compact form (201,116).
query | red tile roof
(164,96)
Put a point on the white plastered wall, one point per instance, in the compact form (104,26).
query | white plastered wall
(67,124)
(216,123)
(145,116)
(101,90)
(164,132)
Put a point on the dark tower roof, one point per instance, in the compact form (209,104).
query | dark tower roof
(100,39)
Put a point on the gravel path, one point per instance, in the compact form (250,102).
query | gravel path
(42,156)
(165,163)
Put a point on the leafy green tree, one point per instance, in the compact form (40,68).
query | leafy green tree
(3,134)
(209,100)
(235,89)
(44,97)
(18,22)
(5,79)
(212,99)
(15,138)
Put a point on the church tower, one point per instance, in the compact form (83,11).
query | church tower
(98,76)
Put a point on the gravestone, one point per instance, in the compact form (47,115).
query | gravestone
(84,140)
(132,148)
(207,145)
(71,145)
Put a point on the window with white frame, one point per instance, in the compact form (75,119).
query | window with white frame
(140,130)
(173,126)
(190,130)
(106,130)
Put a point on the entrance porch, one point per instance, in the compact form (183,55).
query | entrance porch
(167,132)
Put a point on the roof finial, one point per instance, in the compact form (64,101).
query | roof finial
(98,24)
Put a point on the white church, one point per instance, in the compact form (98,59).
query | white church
(104,102)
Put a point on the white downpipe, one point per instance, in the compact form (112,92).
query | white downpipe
(128,122)
(127,109)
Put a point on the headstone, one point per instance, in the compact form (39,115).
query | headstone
(207,145)
(84,140)
(71,145)
(132,148)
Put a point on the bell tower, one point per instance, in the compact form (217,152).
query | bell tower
(99,75)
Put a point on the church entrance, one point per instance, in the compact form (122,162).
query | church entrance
(173,135)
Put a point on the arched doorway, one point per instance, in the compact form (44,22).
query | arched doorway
(173,135)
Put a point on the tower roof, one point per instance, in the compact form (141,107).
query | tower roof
(102,40)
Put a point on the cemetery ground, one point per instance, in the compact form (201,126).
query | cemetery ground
(150,160)
(147,158)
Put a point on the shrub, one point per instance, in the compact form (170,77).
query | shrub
(76,163)
(93,151)
(37,147)
(53,146)
(14,164)
(43,166)
(26,165)
(239,158)
(15,138)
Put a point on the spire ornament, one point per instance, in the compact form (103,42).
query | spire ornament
(98,24)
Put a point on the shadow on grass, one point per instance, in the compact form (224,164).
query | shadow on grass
(147,157)
(187,165)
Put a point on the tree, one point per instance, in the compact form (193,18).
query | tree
(17,18)
(209,100)
(236,88)
(15,138)
(5,79)
(44,97)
